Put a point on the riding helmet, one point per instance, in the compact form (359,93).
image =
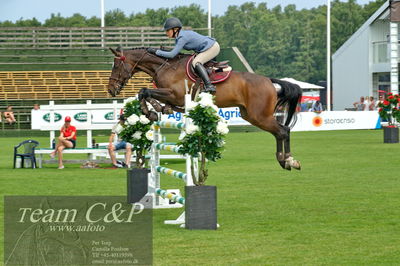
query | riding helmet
(171,23)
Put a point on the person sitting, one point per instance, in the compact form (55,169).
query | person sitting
(9,115)
(116,143)
(67,139)
(206,47)
(317,107)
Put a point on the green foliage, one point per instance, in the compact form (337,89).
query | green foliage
(205,137)
(116,18)
(137,130)
(277,42)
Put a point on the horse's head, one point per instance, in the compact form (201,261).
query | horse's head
(123,69)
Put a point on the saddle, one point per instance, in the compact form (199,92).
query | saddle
(217,71)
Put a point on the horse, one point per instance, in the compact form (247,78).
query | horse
(255,95)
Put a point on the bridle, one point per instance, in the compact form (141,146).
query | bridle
(119,80)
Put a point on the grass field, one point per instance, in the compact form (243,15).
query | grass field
(342,208)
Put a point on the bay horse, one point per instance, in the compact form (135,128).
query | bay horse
(255,95)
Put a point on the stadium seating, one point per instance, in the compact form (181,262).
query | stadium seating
(20,85)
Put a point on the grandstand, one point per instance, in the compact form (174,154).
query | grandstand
(68,65)
(71,65)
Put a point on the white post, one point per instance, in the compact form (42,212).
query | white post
(89,121)
(328,56)
(187,121)
(394,53)
(115,109)
(102,22)
(51,116)
(209,18)
(155,161)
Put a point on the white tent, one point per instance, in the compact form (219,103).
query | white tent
(303,85)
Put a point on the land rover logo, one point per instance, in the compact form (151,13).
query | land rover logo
(81,117)
(57,117)
(109,116)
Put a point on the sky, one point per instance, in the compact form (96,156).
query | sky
(14,10)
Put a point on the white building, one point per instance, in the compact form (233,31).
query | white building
(361,66)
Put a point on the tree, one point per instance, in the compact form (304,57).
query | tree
(346,19)
(116,18)
(277,42)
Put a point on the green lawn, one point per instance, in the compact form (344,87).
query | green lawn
(342,208)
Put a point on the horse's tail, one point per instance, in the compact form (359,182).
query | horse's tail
(288,96)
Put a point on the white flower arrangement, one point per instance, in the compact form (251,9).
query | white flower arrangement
(150,135)
(191,129)
(137,130)
(206,100)
(204,136)
(130,99)
(133,119)
(222,128)
(182,135)
(144,120)
(191,105)
(137,135)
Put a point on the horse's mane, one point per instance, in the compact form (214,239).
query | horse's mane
(176,58)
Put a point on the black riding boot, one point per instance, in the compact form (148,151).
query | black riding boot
(202,72)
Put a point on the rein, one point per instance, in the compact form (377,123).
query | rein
(122,58)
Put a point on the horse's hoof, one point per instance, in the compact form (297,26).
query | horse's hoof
(167,110)
(152,116)
(297,165)
(293,163)
(282,164)
(287,166)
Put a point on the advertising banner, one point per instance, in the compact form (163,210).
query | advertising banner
(79,118)
(337,120)
(306,121)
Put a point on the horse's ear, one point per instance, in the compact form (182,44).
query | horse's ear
(117,52)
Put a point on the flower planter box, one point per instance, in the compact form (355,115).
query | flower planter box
(201,207)
(391,135)
(137,184)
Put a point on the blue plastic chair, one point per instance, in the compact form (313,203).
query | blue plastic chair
(26,150)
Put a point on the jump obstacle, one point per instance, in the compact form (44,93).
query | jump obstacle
(171,198)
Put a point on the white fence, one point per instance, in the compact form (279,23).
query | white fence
(103,116)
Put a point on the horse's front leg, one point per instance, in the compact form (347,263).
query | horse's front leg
(151,115)
(166,96)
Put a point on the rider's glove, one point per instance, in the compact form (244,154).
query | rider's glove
(151,50)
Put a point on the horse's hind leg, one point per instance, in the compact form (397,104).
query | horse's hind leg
(289,160)
(279,152)
(271,125)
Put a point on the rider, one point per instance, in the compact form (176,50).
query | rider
(206,47)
